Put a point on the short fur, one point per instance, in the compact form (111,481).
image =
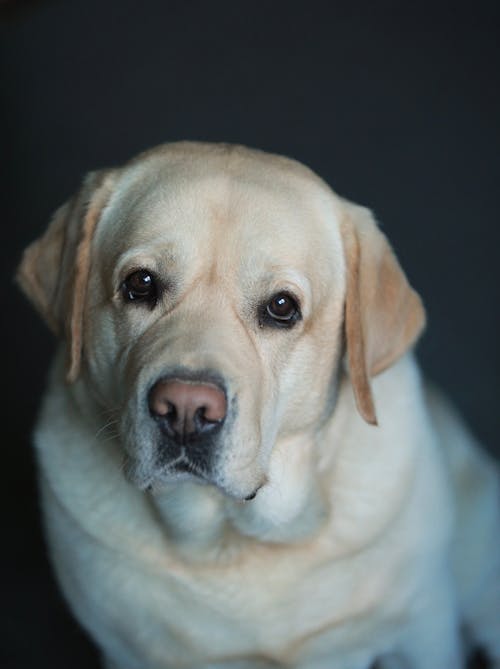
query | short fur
(374,533)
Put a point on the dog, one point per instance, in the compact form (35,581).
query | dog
(240,463)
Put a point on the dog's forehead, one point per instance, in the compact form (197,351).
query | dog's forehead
(248,204)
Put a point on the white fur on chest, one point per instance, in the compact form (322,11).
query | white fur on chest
(288,605)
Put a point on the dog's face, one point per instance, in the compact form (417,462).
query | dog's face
(214,316)
(211,293)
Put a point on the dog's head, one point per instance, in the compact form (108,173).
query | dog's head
(209,295)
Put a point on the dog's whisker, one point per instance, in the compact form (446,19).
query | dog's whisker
(105,427)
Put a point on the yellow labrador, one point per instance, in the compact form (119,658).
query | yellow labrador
(240,464)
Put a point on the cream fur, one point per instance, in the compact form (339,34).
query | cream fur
(363,542)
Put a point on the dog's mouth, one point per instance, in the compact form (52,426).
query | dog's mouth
(179,466)
(184,464)
(183,467)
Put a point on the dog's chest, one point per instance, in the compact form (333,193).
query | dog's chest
(282,609)
(293,606)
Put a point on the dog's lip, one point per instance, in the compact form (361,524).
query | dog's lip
(154,482)
(253,494)
(155,486)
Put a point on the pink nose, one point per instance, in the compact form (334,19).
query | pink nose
(187,409)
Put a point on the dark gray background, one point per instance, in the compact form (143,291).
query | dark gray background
(395,104)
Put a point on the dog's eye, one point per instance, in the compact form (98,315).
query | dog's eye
(140,286)
(282,310)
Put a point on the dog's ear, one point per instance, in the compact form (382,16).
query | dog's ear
(383,314)
(54,269)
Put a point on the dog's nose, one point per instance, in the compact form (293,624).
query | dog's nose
(187,409)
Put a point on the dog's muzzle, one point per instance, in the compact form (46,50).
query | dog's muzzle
(190,413)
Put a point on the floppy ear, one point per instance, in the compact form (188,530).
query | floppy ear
(383,314)
(54,269)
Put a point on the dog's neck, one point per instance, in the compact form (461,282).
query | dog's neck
(290,508)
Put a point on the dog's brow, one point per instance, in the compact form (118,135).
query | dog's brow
(139,258)
(293,279)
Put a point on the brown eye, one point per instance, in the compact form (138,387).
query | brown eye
(140,286)
(282,311)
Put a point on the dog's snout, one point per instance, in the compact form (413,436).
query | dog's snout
(187,409)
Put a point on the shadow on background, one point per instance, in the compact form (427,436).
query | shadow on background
(396,106)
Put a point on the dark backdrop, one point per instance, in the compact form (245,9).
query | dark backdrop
(395,104)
